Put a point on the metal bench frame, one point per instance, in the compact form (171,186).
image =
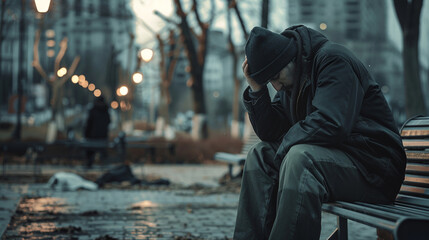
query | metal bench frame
(237,158)
(408,216)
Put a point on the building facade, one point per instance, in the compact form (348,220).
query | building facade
(360,25)
(100,32)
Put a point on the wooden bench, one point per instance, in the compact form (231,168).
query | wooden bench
(237,158)
(408,217)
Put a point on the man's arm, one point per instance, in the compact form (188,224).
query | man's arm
(269,119)
(337,103)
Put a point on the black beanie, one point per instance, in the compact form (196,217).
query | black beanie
(268,53)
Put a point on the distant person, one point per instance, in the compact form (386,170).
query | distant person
(97,126)
(328,135)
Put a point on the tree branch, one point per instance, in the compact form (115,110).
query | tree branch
(159,14)
(400,8)
(36,61)
(233,4)
(197,13)
(145,25)
(416,7)
(63,48)
(179,9)
(71,70)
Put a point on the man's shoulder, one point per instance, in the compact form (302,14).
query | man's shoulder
(334,50)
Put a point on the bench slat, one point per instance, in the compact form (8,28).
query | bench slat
(407,200)
(418,156)
(414,191)
(421,121)
(359,217)
(230,157)
(394,209)
(417,169)
(413,143)
(415,133)
(416,180)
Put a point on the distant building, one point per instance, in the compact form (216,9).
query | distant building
(9,57)
(101,32)
(361,25)
(218,82)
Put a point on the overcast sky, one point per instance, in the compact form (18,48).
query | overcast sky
(251,14)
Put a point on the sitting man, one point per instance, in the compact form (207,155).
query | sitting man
(327,135)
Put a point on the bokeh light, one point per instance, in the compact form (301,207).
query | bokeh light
(50,33)
(137,77)
(114,104)
(81,78)
(123,90)
(61,72)
(50,43)
(91,87)
(42,6)
(75,79)
(323,26)
(97,92)
(50,53)
(146,54)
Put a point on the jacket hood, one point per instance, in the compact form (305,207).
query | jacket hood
(311,40)
(308,42)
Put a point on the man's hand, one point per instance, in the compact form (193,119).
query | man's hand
(252,83)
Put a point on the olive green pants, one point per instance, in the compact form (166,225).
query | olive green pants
(283,200)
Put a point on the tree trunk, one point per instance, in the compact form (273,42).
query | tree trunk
(265,11)
(408,13)
(196,62)
(2,9)
(415,103)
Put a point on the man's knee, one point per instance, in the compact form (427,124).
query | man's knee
(298,158)
(258,154)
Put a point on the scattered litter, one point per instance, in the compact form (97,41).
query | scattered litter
(68,230)
(122,174)
(90,213)
(64,181)
(106,237)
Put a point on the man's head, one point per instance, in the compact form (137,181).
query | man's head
(284,78)
(268,53)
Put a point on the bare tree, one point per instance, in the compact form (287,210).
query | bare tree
(232,5)
(167,66)
(408,13)
(196,54)
(56,83)
(264,13)
(4,28)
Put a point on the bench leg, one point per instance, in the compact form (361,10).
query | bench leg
(230,166)
(341,232)
(384,235)
(342,228)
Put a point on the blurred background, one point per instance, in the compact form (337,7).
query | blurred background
(171,68)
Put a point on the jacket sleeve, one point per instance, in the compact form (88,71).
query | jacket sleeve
(336,106)
(269,119)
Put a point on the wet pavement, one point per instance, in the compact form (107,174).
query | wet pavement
(178,212)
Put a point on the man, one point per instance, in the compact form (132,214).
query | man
(97,127)
(327,135)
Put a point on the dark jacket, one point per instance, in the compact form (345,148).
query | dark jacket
(97,124)
(335,103)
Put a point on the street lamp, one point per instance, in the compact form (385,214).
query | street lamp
(146,54)
(137,77)
(61,72)
(42,6)
(17,132)
(123,90)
